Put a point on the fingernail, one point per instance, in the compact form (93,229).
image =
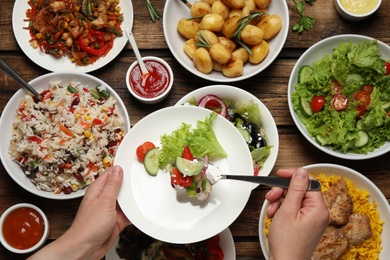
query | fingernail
(116,170)
(301,173)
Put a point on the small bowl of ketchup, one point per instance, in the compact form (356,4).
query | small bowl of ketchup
(24,228)
(152,87)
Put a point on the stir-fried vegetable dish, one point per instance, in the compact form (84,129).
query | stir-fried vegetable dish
(84,30)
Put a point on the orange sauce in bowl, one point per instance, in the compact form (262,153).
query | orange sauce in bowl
(23,228)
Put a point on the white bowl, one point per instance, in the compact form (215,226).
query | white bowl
(160,97)
(174,11)
(45,234)
(361,182)
(352,15)
(9,114)
(237,94)
(313,54)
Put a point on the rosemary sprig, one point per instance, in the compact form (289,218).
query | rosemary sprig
(242,22)
(154,13)
(202,40)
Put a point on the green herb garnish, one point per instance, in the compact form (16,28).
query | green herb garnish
(305,22)
(201,40)
(154,13)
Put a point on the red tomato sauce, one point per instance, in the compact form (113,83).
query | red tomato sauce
(154,83)
(23,228)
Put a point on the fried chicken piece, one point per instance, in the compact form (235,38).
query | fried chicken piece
(339,203)
(358,229)
(331,246)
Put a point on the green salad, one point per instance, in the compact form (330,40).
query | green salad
(343,99)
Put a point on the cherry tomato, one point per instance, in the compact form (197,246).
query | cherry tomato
(388,113)
(336,87)
(187,154)
(363,97)
(367,88)
(177,178)
(317,103)
(339,102)
(143,149)
(256,169)
(387,67)
(361,109)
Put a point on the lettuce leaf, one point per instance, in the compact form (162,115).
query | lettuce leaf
(201,140)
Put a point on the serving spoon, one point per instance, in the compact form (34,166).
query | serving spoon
(133,44)
(12,73)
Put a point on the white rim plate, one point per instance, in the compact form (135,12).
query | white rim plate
(175,10)
(237,94)
(51,63)
(9,114)
(151,203)
(226,242)
(317,51)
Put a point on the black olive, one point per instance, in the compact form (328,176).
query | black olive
(236,116)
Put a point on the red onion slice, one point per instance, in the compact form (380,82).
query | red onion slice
(204,100)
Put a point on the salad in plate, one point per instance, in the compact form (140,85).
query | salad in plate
(186,154)
(246,117)
(343,99)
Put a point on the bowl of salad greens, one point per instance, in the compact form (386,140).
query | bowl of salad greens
(249,115)
(339,96)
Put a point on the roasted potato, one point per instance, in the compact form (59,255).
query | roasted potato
(227,42)
(211,37)
(262,4)
(220,8)
(230,26)
(220,53)
(271,25)
(241,54)
(187,28)
(260,51)
(210,2)
(190,48)
(199,9)
(212,22)
(236,4)
(203,61)
(252,34)
(234,68)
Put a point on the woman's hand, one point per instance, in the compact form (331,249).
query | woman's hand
(299,217)
(98,222)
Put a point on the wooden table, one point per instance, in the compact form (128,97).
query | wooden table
(270,86)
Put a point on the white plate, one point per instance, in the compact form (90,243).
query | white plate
(314,53)
(174,10)
(237,94)
(151,203)
(9,114)
(51,63)
(226,242)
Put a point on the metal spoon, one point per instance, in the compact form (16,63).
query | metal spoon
(141,63)
(8,70)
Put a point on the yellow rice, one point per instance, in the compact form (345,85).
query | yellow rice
(369,249)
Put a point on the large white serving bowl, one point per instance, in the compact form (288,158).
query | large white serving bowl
(314,53)
(361,182)
(237,94)
(9,114)
(175,10)
(155,207)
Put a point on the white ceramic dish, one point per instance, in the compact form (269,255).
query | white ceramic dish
(353,16)
(51,63)
(151,203)
(152,100)
(175,10)
(313,54)
(237,94)
(360,182)
(226,242)
(45,234)
(9,114)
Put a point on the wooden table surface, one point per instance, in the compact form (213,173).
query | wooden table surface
(270,86)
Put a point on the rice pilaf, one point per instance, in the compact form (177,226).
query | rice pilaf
(65,141)
(371,247)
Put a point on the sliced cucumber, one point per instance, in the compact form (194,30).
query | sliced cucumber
(305,107)
(189,167)
(386,106)
(304,73)
(320,139)
(352,78)
(362,139)
(245,134)
(151,161)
